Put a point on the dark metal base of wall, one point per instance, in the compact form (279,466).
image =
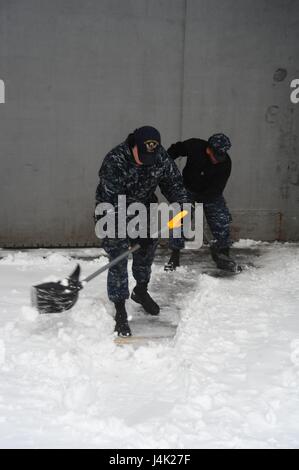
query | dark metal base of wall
(263,225)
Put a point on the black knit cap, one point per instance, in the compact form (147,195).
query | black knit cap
(148,141)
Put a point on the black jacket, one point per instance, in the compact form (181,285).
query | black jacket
(201,176)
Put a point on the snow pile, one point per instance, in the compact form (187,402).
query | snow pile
(228,379)
(2,352)
(248,243)
(243,335)
(29,313)
(25,258)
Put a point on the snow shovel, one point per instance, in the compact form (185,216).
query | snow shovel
(57,297)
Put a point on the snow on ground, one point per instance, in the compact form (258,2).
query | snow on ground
(228,379)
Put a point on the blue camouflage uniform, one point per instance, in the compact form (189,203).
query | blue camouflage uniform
(120,175)
(218,218)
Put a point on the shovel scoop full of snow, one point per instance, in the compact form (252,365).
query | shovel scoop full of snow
(56,297)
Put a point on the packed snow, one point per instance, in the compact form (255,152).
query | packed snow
(227,378)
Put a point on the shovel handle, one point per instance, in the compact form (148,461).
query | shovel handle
(175,222)
(125,254)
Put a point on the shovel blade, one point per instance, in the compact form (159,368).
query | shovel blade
(57,297)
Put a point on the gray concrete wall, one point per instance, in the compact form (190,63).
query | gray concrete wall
(80,74)
(240,58)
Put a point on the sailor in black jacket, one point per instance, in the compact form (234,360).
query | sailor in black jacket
(205,175)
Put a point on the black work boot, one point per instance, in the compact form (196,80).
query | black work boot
(222,258)
(174,261)
(121,320)
(141,296)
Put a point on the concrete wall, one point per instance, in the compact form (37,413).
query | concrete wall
(80,74)
(239,61)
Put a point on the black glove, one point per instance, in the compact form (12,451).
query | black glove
(143,242)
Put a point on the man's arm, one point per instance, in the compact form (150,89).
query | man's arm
(183,149)
(111,182)
(111,185)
